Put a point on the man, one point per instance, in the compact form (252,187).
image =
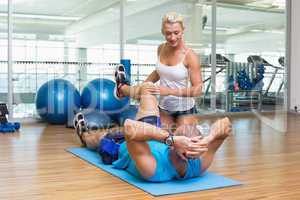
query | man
(150,152)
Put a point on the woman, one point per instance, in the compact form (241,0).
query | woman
(179,72)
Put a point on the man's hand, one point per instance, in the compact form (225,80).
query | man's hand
(189,147)
(199,147)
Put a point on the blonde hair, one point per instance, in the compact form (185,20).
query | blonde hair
(172,17)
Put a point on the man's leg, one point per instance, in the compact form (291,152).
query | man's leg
(128,91)
(90,138)
(140,151)
(135,91)
(123,87)
(93,138)
(220,130)
(148,103)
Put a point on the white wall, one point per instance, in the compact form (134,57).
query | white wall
(294,98)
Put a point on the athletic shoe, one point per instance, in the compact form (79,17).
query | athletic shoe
(77,117)
(80,128)
(120,78)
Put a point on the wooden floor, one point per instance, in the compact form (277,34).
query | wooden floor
(263,153)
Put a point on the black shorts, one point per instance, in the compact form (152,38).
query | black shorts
(153,120)
(176,114)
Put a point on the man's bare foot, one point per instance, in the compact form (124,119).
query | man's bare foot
(221,129)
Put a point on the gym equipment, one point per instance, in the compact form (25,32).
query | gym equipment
(220,60)
(207,181)
(243,93)
(5,126)
(243,80)
(235,109)
(222,63)
(127,113)
(96,119)
(56,100)
(99,95)
(10,127)
(69,123)
(270,98)
(282,63)
(3,113)
(230,81)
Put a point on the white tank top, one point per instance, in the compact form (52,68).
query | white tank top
(175,77)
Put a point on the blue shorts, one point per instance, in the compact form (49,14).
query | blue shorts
(165,171)
(176,114)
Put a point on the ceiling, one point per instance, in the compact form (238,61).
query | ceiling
(94,22)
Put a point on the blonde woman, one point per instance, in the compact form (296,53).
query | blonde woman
(178,70)
(179,73)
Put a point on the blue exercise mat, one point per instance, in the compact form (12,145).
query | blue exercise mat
(207,181)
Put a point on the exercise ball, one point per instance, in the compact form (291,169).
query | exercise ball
(96,119)
(56,100)
(99,95)
(128,113)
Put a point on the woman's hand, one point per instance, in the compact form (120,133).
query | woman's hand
(158,90)
(164,91)
(151,89)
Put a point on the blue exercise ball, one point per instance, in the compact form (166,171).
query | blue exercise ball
(128,113)
(56,100)
(99,95)
(96,119)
